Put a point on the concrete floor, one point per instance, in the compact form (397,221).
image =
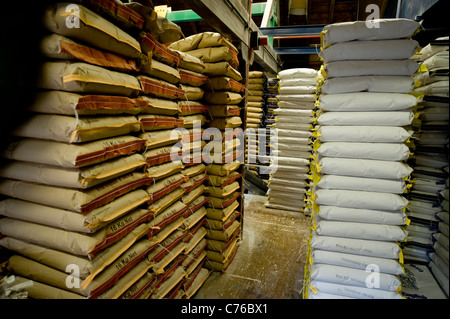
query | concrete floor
(270,260)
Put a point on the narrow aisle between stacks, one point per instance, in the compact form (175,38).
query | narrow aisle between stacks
(270,260)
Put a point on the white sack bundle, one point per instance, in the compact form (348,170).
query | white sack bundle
(305,105)
(366,101)
(72,155)
(369,83)
(304,89)
(77,200)
(71,129)
(396,49)
(80,178)
(362,184)
(296,73)
(64,219)
(358,215)
(385,265)
(69,103)
(360,247)
(89,27)
(394,118)
(353,291)
(300,98)
(352,277)
(361,231)
(358,30)
(360,199)
(87,245)
(364,168)
(82,77)
(288,82)
(370,67)
(371,134)
(374,151)
(293,113)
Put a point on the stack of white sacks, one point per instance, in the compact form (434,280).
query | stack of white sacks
(358,170)
(428,209)
(291,139)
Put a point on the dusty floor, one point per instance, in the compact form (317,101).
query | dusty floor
(270,260)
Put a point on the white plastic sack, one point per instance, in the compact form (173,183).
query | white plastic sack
(293,140)
(369,83)
(307,105)
(371,134)
(383,29)
(297,81)
(364,168)
(438,45)
(360,231)
(435,114)
(370,50)
(293,126)
(297,97)
(353,277)
(370,67)
(427,186)
(396,218)
(291,161)
(439,88)
(298,154)
(360,199)
(354,292)
(304,89)
(375,151)
(293,133)
(366,101)
(291,119)
(385,265)
(297,73)
(295,114)
(424,207)
(439,61)
(361,247)
(324,295)
(292,147)
(362,184)
(431,161)
(402,118)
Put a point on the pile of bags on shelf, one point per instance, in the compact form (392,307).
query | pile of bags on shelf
(100,198)
(272,86)
(291,139)
(254,118)
(428,208)
(222,92)
(255,99)
(358,172)
(268,121)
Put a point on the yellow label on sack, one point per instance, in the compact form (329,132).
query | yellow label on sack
(422,68)
(400,257)
(313,289)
